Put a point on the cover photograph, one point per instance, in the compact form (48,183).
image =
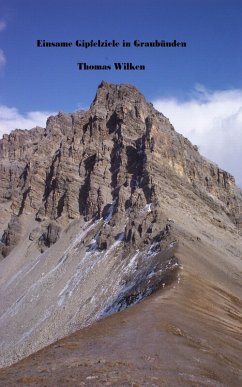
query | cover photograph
(120,193)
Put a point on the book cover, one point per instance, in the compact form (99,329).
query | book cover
(120,199)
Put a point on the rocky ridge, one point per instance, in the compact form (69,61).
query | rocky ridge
(83,218)
(82,163)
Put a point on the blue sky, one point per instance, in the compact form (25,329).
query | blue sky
(35,81)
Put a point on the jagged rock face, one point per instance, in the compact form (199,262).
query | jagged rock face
(84,219)
(83,163)
(11,235)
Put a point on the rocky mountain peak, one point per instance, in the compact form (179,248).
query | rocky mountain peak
(117,92)
(120,98)
(91,210)
(85,163)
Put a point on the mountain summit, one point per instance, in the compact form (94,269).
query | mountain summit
(92,210)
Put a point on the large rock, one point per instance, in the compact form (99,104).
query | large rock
(11,236)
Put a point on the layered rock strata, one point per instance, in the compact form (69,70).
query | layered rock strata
(85,230)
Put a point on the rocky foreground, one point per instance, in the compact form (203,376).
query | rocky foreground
(98,210)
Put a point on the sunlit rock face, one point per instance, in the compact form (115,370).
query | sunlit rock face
(85,221)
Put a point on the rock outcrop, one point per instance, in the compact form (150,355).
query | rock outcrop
(111,155)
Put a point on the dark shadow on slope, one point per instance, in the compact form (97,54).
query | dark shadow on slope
(161,270)
(85,188)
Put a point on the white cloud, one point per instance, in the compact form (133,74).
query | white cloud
(213,121)
(11,119)
(2,59)
(3,25)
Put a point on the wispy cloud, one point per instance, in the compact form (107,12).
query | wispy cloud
(11,119)
(3,25)
(213,121)
(2,59)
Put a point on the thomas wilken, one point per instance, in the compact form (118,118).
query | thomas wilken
(116,66)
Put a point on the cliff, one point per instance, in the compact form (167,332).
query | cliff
(92,210)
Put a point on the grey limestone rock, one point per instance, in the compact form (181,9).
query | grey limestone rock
(83,163)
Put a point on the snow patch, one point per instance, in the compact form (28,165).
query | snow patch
(148,207)
(87,264)
(131,263)
(154,249)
